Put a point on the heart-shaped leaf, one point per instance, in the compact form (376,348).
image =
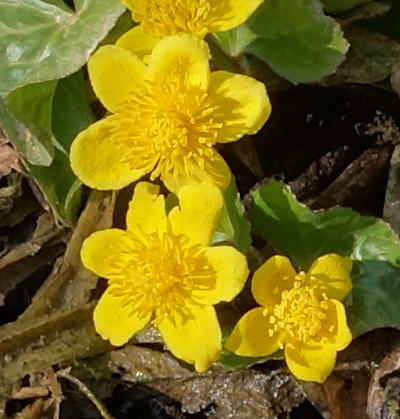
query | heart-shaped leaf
(304,235)
(40,41)
(294,37)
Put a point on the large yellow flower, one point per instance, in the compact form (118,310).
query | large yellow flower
(167,116)
(300,312)
(162,270)
(161,18)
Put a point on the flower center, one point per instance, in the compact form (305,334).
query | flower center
(172,123)
(161,275)
(162,18)
(301,314)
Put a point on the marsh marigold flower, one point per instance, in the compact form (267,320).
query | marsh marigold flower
(163,271)
(301,313)
(166,116)
(161,18)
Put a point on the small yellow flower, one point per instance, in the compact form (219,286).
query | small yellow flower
(161,18)
(162,270)
(300,312)
(166,116)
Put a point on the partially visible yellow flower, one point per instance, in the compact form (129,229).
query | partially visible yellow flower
(300,312)
(161,18)
(162,270)
(166,116)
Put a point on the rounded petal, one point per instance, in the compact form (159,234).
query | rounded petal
(242,104)
(215,170)
(196,340)
(182,59)
(114,73)
(271,278)
(100,163)
(102,249)
(147,209)
(336,329)
(231,273)
(310,363)
(331,274)
(251,337)
(137,41)
(198,212)
(231,13)
(115,322)
(135,6)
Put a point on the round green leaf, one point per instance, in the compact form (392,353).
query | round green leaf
(304,235)
(293,37)
(40,41)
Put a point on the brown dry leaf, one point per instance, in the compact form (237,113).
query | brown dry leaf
(70,284)
(139,364)
(34,345)
(9,159)
(234,394)
(344,394)
(384,389)
(32,411)
(229,394)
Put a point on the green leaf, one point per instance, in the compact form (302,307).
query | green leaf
(236,362)
(371,58)
(71,110)
(293,37)
(304,235)
(32,106)
(70,114)
(334,6)
(124,24)
(40,41)
(233,226)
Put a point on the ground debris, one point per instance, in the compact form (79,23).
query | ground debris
(234,394)
(9,159)
(220,392)
(347,391)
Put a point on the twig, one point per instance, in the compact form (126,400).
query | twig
(86,391)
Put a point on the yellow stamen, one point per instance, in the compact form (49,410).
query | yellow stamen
(171,125)
(163,18)
(301,313)
(161,274)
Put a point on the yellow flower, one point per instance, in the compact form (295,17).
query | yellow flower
(166,116)
(300,312)
(162,270)
(161,18)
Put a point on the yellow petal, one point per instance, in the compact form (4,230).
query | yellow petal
(136,6)
(310,363)
(182,59)
(115,322)
(100,163)
(147,209)
(331,274)
(242,104)
(250,336)
(102,249)
(271,278)
(137,41)
(231,13)
(231,273)
(215,170)
(198,212)
(197,340)
(114,73)
(335,328)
